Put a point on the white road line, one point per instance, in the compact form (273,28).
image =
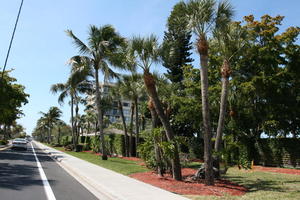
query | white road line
(47,187)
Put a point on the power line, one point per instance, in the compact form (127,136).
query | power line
(12,38)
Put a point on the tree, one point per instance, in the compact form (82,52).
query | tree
(12,97)
(176,44)
(103,48)
(229,42)
(204,17)
(51,118)
(74,86)
(131,87)
(146,52)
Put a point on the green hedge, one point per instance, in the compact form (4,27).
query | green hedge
(114,143)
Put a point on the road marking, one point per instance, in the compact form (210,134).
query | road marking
(47,187)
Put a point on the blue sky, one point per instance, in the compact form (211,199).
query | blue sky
(41,48)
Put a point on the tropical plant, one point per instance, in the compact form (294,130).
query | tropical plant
(146,52)
(74,86)
(51,118)
(102,50)
(205,16)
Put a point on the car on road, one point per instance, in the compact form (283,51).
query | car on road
(19,143)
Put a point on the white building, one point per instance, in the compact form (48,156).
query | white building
(113,114)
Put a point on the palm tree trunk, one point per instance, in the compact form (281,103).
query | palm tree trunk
(124,127)
(203,51)
(58,137)
(151,89)
(157,151)
(100,116)
(131,130)
(136,125)
(72,121)
(224,93)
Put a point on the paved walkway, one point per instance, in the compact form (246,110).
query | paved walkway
(106,184)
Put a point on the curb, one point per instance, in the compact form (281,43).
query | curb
(97,190)
(4,148)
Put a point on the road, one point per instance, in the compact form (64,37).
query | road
(20,178)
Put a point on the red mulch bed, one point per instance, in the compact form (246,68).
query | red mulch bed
(189,186)
(277,170)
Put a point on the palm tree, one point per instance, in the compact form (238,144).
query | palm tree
(229,41)
(59,124)
(51,117)
(204,17)
(146,52)
(103,48)
(115,93)
(131,87)
(73,87)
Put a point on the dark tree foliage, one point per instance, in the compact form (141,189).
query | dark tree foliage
(12,97)
(176,44)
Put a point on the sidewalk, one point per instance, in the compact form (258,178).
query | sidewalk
(106,184)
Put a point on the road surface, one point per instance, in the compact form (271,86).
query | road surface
(21,177)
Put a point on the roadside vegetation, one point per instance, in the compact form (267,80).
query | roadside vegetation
(238,105)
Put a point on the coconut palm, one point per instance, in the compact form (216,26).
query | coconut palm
(102,49)
(51,117)
(146,51)
(205,16)
(73,87)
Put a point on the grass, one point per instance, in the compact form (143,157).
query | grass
(261,185)
(119,165)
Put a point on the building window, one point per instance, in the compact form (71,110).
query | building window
(125,104)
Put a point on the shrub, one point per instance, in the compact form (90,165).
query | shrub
(3,142)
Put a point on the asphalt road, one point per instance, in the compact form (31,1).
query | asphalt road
(20,178)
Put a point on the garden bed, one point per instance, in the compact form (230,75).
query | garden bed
(277,170)
(188,186)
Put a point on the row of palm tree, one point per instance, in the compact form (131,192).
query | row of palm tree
(106,51)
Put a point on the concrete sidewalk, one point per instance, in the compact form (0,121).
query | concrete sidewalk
(106,184)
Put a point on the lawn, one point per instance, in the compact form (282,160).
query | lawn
(119,165)
(261,186)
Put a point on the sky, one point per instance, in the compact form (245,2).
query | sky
(41,48)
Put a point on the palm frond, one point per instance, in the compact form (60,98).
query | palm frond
(83,48)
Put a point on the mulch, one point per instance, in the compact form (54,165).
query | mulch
(189,186)
(277,170)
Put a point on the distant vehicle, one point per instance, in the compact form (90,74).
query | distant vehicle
(19,143)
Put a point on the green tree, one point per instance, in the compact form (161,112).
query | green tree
(103,48)
(205,16)
(51,118)
(146,52)
(176,44)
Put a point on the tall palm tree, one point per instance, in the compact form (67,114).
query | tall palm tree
(204,17)
(51,118)
(146,52)
(229,41)
(131,87)
(103,48)
(60,123)
(115,93)
(73,87)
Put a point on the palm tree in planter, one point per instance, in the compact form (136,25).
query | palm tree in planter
(146,51)
(51,118)
(104,48)
(205,16)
